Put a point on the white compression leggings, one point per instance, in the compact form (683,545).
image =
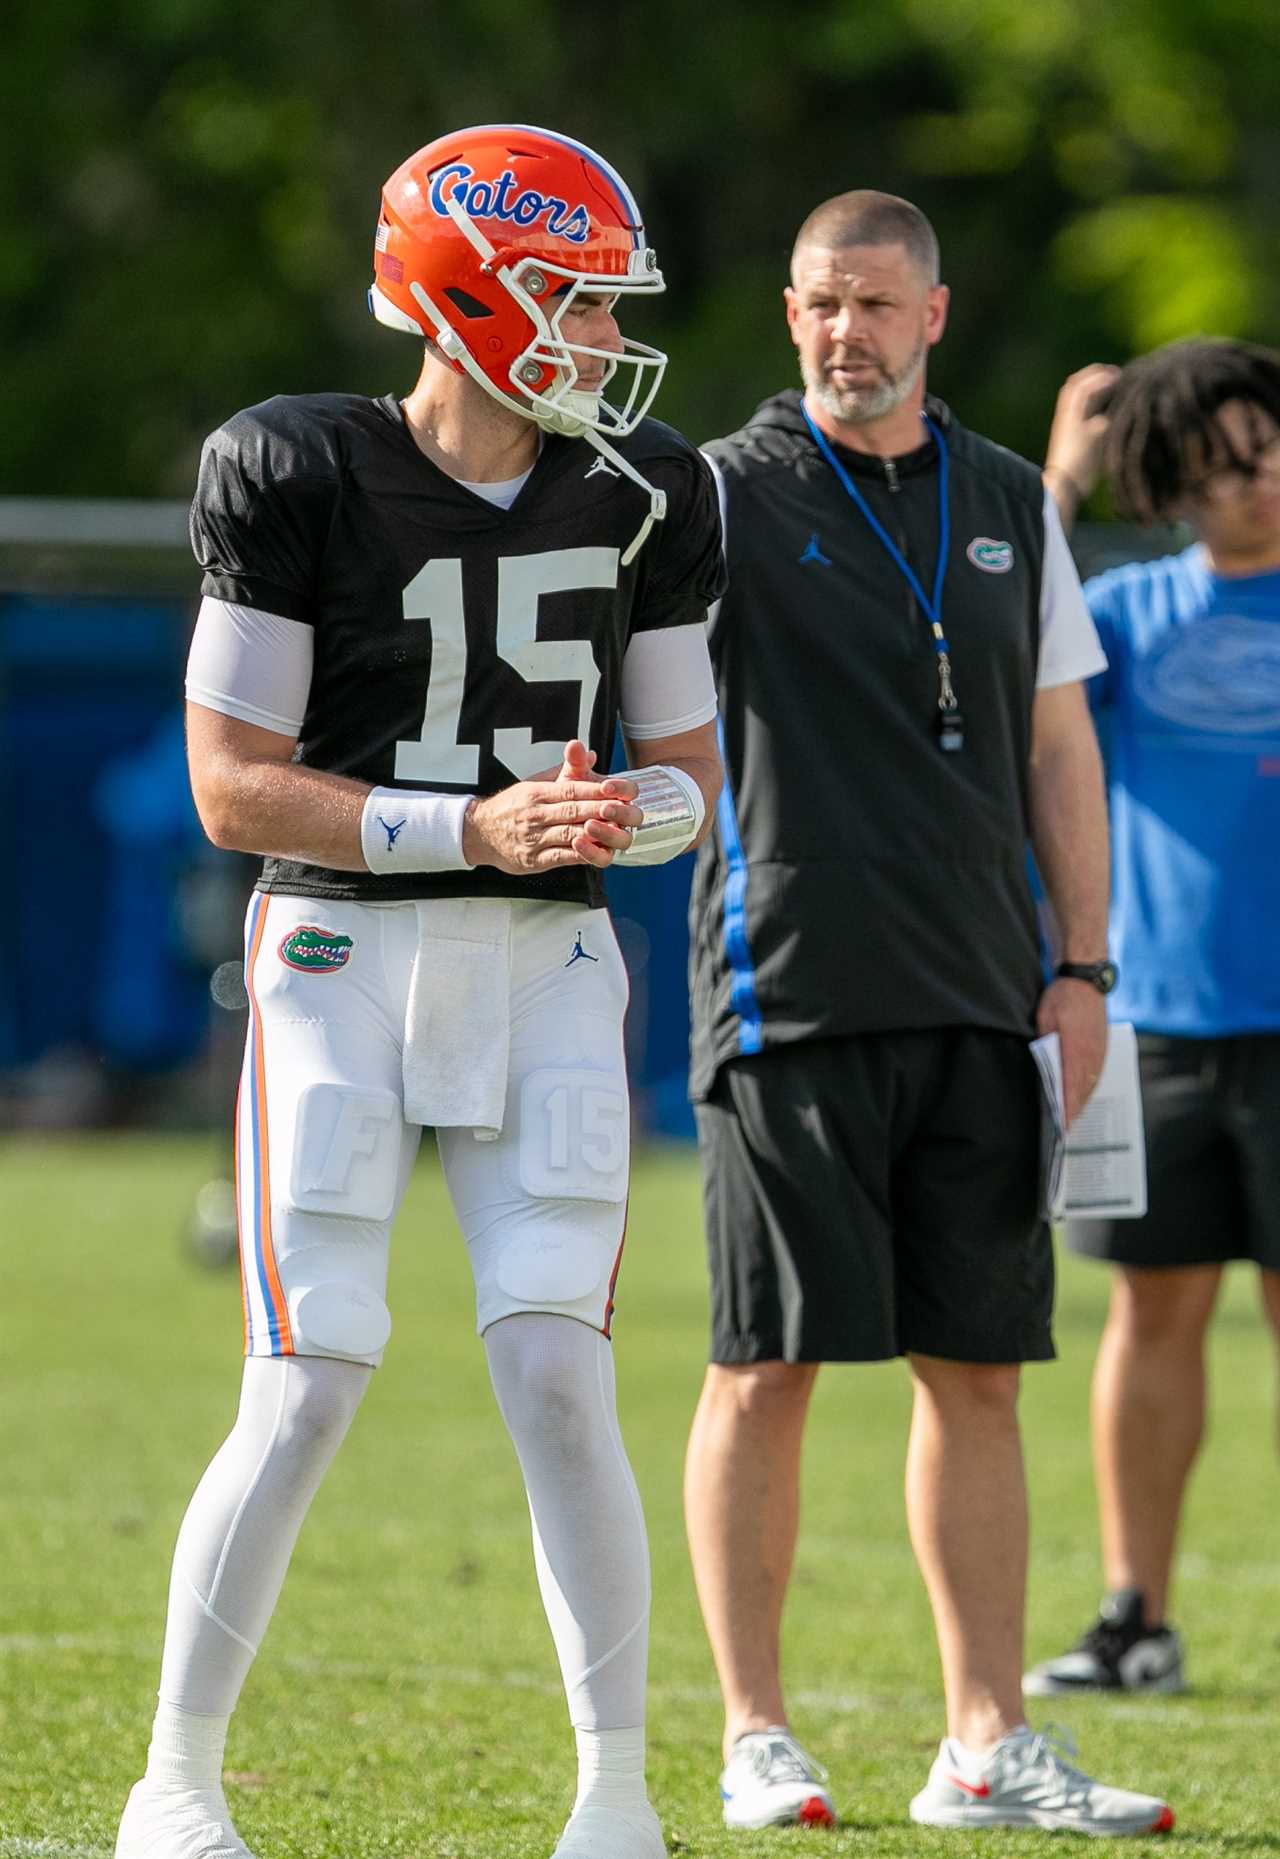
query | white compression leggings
(554,1381)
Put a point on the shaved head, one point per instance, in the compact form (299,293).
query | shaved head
(866,217)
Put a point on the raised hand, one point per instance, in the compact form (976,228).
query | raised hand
(1076,438)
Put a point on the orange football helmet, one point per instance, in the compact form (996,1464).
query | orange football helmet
(485,238)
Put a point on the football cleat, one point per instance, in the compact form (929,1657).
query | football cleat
(165,1821)
(1027,1780)
(1118,1653)
(770,1781)
(485,238)
(611,1833)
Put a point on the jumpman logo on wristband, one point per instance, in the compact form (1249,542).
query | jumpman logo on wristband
(392,832)
(580,954)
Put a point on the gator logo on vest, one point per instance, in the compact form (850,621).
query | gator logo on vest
(315,951)
(991,557)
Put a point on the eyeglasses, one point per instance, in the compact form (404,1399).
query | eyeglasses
(1231,481)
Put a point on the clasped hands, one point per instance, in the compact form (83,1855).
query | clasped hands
(568,816)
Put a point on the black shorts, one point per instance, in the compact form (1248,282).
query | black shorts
(1212,1114)
(870,1196)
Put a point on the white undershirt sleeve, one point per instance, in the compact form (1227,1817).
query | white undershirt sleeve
(250,665)
(667,683)
(1069,645)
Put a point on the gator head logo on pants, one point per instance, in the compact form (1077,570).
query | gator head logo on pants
(315,951)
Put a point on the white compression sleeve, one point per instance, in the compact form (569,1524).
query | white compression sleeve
(241,1525)
(252,665)
(555,1385)
(667,682)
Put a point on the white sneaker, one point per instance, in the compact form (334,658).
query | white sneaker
(163,1821)
(769,1781)
(611,1833)
(1027,1781)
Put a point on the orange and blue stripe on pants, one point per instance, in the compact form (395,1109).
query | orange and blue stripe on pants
(266,1313)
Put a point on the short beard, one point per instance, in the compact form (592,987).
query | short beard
(857,406)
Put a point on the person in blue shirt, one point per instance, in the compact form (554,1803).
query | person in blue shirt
(1190,434)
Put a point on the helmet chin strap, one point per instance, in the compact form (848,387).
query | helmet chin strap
(657,498)
(561,419)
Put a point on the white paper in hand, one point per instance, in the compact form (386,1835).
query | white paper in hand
(1098,1169)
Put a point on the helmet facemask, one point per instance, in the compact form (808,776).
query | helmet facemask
(544,376)
(561,406)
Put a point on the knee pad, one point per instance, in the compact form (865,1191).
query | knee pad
(339,1318)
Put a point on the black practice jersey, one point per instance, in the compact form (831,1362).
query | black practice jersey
(457,646)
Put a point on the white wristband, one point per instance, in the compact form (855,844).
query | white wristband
(673,810)
(413,832)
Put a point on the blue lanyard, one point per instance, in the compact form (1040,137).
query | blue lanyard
(932,609)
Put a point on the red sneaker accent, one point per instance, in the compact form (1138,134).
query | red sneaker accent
(1165,1822)
(978,1789)
(816,1813)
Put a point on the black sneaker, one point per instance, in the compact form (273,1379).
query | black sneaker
(1118,1653)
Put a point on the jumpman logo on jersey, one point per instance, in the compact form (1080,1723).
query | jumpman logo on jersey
(580,954)
(601,464)
(392,832)
(812,553)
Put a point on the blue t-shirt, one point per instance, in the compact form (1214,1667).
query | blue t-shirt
(1191,722)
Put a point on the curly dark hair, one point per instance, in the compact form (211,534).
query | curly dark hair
(1163,428)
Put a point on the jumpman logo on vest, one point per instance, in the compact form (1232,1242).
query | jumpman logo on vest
(812,553)
(580,954)
(392,832)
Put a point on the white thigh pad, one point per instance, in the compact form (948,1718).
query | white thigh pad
(346,1152)
(575,1136)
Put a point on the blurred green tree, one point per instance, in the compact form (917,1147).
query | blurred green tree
(189,189)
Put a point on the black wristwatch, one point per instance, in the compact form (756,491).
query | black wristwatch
(1100,975)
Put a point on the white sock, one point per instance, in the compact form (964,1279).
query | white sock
(970,1760)
(186,1748)
(234,1547)
(610,1768)
(554,1381)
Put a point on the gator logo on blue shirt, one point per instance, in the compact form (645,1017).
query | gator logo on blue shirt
(498,200)
(992,557)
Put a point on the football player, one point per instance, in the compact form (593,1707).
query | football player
(422,621)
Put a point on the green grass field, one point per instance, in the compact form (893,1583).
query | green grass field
(406,1701)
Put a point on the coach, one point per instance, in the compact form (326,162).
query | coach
(899,661)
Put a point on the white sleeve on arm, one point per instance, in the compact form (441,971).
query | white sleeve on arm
(667,684)
(1069,645)
(251,665)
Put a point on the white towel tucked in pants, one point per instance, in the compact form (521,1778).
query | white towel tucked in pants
(458,1022)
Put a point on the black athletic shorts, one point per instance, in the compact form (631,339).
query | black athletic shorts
(1212,1114)
(874,1195)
